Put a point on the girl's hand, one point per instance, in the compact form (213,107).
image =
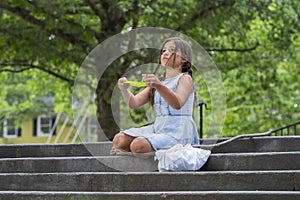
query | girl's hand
(121,84)
(151,80)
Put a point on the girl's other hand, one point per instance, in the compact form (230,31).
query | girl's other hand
(121,84)
(151,80)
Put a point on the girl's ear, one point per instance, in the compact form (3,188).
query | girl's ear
(183,60)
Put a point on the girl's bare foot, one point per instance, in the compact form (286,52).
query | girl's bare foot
(119,152)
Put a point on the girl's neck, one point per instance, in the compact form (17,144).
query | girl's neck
(171,72)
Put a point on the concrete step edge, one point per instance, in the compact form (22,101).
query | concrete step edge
(146,182)
(253,154)
(216,162)
(178,195)
(267,144)
(193,173)
(151,192)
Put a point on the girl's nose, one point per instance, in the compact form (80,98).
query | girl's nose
(166,52)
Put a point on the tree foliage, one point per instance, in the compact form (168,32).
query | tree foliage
(255,45)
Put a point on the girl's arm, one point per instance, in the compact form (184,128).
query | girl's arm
(175,99)
(133,101)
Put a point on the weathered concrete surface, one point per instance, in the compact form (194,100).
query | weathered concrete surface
(55,150)
(251,169)
(179,195)
(259,144)
(153,181)
(254,161)
(221,162)
(77,164)
(263,144)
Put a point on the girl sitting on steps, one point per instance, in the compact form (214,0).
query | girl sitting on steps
(173,101)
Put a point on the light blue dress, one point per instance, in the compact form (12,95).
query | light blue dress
(171,126)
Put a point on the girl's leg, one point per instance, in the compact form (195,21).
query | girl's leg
(121,144)
(141,147)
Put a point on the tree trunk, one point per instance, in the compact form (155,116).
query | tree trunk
(108,118)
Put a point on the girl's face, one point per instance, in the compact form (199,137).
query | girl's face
(171,57)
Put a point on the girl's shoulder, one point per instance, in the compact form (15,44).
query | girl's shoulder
(186,77)
(186,81)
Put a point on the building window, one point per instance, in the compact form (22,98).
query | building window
(10,130)
(44,125)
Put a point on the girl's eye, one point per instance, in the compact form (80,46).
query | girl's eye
(172,50)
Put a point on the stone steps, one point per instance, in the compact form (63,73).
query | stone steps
(162,195)
(255,168)
(260,144)
(216,162)
(153,181)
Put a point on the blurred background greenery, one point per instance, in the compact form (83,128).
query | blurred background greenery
(254,44)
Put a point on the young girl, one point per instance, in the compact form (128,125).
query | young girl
(173,101)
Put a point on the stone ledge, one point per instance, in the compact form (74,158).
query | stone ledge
(178,195)
(263,144)
(153,181)
(216,162)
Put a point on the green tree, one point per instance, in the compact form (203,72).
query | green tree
(254,44)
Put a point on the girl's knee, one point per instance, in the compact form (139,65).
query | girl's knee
(119,140)
(122,140)
(140,145)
